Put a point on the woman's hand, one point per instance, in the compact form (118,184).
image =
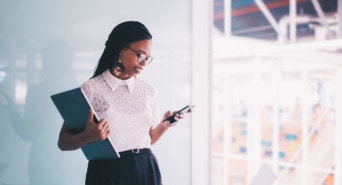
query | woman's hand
(157,132)
(177,117)
(96,131)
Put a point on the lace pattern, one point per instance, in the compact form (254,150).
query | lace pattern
(130,114)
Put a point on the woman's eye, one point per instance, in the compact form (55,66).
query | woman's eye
(141,56)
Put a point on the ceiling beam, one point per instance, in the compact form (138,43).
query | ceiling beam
(255,8)
(267,13)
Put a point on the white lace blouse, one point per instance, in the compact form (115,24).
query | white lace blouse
(129,106)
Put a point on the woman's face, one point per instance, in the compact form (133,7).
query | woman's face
(135,57)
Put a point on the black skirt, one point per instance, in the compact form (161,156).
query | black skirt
(134,167)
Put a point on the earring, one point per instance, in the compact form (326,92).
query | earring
(117,69)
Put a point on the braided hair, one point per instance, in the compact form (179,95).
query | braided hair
(121,36)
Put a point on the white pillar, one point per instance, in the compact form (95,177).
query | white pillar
(202,22)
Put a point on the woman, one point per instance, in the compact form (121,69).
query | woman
(127,108)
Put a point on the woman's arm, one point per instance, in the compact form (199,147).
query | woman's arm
(93,131)
(70,141)
(159,130)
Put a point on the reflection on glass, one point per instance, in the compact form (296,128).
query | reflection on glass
(39,124)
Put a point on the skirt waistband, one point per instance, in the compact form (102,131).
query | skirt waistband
(133,152)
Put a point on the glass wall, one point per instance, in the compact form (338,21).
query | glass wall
(49,47)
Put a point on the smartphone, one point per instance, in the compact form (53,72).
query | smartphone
(181,111)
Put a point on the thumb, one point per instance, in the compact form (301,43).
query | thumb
(91,115)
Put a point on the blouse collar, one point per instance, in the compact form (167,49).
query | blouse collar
(114,82)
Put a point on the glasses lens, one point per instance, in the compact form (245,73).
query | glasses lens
(149,60)
(141,57)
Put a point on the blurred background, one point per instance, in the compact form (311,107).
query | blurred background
(274,86)
(51,46)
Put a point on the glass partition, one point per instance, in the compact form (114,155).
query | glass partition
(47,48)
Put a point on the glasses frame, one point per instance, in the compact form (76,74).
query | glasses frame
(147,59)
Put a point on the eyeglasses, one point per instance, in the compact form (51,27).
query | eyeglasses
(141,57)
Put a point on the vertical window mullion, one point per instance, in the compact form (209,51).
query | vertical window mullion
(338,135)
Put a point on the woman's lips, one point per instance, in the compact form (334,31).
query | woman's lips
(138,69)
